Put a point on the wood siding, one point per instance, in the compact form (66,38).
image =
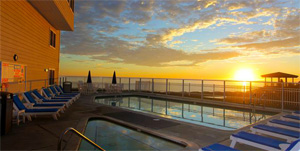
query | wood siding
(26,33)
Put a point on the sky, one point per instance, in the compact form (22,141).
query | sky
(191,39)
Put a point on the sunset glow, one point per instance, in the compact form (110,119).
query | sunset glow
(244,75)
(209,39)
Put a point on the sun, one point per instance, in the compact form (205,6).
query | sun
(244,75)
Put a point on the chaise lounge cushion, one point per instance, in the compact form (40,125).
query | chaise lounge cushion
(259,139)
(278,130)
(291,124)
(40,110)
(292,117)
(218,147)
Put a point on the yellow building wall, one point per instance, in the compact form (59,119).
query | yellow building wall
(26,33)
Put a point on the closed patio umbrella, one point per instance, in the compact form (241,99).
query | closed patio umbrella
(114,79)
(89,79)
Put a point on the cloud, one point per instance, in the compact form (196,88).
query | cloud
(138,32)
(290,42)
(163,56)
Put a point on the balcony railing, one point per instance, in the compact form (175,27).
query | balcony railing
(275,95)
(260,93)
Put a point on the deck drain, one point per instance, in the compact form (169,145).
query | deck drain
(156,119)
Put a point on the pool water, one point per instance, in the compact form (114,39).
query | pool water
(215,117)
(111,136)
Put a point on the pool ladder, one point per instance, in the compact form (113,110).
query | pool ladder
(71,129)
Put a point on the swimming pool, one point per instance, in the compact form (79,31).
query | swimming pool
(111,136)
(210,116)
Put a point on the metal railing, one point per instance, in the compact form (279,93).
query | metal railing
(276,94)
(23,86)
(59,144)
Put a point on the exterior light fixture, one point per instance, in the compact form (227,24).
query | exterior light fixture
(16,57)
(46,70)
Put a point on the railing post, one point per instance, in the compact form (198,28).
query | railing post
(129,84)
(282,95)
(202,91)
(224,94)
(120,81)
(152,85)
(250,92)
(213,91)
(140,84)
(244,93)
(182,87)
(167,86)
(189,89)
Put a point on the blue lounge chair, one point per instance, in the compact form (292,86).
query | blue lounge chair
(217,147)
(48,95)
(77,94)
(37,95)
(258,141)
(29,99)
(18,106)
(295,126)
(296,113)
(57,94)
(61,90)
(292,118)
(289,135)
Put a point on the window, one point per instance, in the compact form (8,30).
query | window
(52,38)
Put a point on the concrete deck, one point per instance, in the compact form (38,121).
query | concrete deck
(43,132)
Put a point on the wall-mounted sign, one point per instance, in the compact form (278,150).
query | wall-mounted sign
(12,72)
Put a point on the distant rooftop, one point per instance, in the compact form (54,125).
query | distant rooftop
(279,75)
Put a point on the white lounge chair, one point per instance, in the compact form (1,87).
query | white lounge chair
(18,106)
(42,99)
(29,99)
(48,95)
(282,133)
(262,142)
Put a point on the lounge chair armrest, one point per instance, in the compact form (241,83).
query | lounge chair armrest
(39,100)
(28,105)
(284,146)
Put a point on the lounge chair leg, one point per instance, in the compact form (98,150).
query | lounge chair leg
(24,118)
(55,117)
(233,142)
(29,118)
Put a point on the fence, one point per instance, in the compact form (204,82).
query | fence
(23,86)
(259,93)
(266,94)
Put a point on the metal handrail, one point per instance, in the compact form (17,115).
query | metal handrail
(78,134)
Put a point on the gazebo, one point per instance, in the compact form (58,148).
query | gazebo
(279,75)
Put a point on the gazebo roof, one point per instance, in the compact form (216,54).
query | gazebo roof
(280,75)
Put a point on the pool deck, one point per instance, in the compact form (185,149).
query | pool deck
(42,133)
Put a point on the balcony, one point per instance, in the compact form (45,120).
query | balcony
(59,13)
